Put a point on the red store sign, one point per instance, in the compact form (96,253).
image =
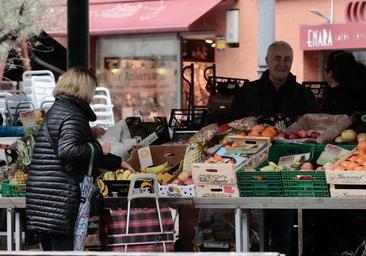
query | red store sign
(349,35)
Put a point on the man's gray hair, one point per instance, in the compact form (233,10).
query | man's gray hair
(278,43)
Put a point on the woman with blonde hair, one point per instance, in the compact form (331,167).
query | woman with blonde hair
(60,161)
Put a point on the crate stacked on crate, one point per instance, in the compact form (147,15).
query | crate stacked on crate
(301,183)
(280,175)
(216,176)
(12,190)
(186,122)
(347,176)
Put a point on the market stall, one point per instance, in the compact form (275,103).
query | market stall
(252,163)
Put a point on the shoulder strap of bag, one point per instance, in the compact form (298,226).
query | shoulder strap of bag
(48,135)
(92,151)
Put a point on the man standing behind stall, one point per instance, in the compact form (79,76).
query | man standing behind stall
(276,92)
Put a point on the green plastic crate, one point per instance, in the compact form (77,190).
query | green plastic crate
(12,190)
(259,184)
(278,150)
(314,187)
(271,183)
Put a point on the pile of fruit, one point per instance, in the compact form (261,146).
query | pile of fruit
(261,130)
(350,136)
(19,175)
(301,134)
(355,161)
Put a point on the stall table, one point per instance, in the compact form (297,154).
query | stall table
(299,203)
(239,205)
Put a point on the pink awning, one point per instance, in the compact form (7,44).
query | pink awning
(126,16)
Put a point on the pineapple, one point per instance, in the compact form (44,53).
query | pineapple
(24,150)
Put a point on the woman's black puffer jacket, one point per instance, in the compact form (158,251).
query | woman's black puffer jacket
(53,192)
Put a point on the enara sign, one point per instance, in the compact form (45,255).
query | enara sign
(318,38)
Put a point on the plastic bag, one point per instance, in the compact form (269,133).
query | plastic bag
(328,126)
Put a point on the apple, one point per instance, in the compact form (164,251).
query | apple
(319,168)
(306,166)
(282,135)
(349,135)
(304,177)
(315,135)
(293,136)
(361,136)
(188,181)
(302,133)
(183,176)
(175,181)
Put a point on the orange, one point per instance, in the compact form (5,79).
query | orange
(254,133)
(359,168)
(272,129)
(242,134)
(344,163)
(361,146)
(268,133)
(257,128)
(352,165)
(354,158)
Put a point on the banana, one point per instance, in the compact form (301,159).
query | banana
(101,184)
(157,169)
(109,176)
(130,176)
(146,184)
(105,192)
(125,174)
(119,174)
(103,188)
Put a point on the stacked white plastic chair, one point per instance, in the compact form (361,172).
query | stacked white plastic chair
(15,104)
(38,86)
(103,108)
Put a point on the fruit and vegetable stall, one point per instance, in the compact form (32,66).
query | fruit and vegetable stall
(266,162)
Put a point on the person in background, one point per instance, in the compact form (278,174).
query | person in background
(338,231)
(52,192)
(346,80)
(276,92)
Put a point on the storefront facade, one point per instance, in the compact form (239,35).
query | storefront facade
(149,34)
(350,35)
(136,49)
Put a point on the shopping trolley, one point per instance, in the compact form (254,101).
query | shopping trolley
(141,229)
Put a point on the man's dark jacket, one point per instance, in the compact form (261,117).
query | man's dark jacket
(53,192)
(260,97)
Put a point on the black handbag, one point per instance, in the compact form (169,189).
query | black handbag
(97,199)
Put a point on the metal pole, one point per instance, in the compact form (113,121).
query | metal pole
(77,33)
(266,30)
(331,11)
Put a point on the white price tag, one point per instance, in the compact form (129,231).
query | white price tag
(145,157)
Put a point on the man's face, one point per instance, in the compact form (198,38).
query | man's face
(279,61)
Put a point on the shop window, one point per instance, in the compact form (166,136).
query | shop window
(142,75)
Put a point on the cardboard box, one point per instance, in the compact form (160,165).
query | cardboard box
(217,190)
(213,173)
(345,177)
(160,154)
(255,159)
(174,190)
(347,193)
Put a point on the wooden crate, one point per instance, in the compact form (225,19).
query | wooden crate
(213,173)
(349,184)
(217,190)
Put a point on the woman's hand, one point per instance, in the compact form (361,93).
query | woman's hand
(98,131)
(106,146)
(125,165)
